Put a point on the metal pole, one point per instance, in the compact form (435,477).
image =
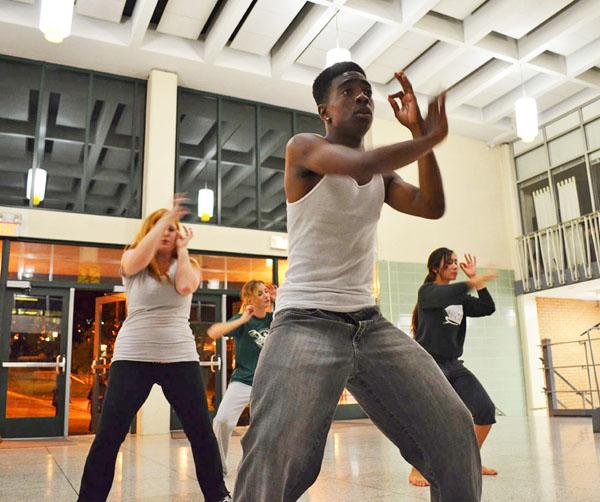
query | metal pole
(587,367)
(549,376)
(593,361)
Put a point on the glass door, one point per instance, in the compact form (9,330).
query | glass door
(33,351)
(111,311)
(206,310)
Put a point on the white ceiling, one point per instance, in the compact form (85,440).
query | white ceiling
(271,50)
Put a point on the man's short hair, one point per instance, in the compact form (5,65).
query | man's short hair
(322,83)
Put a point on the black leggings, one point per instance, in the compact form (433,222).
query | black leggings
(470,390)
(129,385)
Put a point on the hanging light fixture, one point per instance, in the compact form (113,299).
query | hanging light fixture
(36,185)
(206,203)
(526,116)
(337,54)
(56,17)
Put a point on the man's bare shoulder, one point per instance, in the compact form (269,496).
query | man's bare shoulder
(301,143)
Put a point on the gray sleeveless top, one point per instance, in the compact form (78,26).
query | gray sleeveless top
(157,327)
(331,232)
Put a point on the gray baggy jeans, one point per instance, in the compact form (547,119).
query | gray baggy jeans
(308,359)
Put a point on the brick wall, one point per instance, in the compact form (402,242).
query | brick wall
(564,320)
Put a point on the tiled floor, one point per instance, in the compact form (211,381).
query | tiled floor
(539,459)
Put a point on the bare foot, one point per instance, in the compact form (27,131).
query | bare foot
(415,478)
(486,471)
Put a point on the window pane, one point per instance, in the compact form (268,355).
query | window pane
(566,147)
(238,166)
(231,272)
(531,220)
(30,261)
(275,131)
(31,393)
(197,161)
(90,145)
(282,266)
(520,146)
(213,271)
(591,111)
(241,270)
(62,137)
(19,93)
(532,163)
(595,171)
(572,190)
(592,133)
(559,126)
(113,173)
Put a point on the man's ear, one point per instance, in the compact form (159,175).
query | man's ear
(322,109)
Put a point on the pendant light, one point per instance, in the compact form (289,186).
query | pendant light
(36,185)
(337,54)
(56,17)
(206,203)
(526,116)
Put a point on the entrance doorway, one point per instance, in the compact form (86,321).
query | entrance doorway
(33,362)
(98,317)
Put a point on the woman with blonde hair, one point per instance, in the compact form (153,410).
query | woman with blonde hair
(156,345)
(250,328)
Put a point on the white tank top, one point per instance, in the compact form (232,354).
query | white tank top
(331,232)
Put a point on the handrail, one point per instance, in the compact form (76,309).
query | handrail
(541,254)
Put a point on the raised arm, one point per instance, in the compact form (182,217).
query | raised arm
(432,295)
(187,277)
(427,200)
(484,304)
(314,153)
(137,259)
(220,329)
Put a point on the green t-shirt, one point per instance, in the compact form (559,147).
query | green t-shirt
(249,340)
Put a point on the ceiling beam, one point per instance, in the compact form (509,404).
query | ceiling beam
(300,38)
(225,24)
(140,20)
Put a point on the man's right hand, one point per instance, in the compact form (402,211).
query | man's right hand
(436,122)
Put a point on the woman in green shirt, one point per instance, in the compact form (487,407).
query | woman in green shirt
(250,329)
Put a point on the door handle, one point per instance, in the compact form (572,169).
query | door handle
(215,361)
(60,363)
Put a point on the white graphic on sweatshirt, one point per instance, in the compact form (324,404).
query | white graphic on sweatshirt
(260,337)
(454,315)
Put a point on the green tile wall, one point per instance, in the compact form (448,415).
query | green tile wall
(492,347)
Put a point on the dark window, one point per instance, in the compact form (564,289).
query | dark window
(237,149)
(84,129)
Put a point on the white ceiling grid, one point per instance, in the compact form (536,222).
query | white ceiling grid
(479,49)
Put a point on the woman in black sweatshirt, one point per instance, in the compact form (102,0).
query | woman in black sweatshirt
(439,324)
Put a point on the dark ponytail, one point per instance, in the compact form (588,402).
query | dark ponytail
(436,261)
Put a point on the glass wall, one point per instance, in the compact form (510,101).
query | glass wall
(32,261)
(236,148)
(558,175)
(83,131)
(231,272)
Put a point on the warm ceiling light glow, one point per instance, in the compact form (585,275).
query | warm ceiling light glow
(526,117)
(337,55)
(36,193)
(206,203)
(56,17)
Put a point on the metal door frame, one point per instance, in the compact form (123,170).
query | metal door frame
(37,426)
